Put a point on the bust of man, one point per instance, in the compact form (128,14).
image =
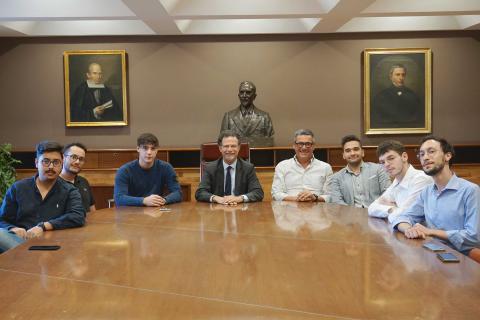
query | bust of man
(252,124)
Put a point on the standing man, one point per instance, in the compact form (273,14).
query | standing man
(450,206)
(73,161)
(229,180)
(93,101)
(41,203)
(301,178)
(397,106)
(142,182)
(252,124)
(406,187)
(359,183)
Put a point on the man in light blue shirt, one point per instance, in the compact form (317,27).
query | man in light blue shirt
(450,207)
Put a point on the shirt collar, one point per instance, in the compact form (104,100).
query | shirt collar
(246,111)
(233,165)
(404,183)
(298,163)
(350,171)
(453,184)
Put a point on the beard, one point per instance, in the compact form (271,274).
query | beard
(434,170)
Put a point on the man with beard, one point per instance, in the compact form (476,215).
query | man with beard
(397,106)
(73,161)
(449,207)
(143,182)
(41,203)
(301,178)
(406,187)
(252,124)
(359,183)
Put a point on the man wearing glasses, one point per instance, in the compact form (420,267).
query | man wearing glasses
(450,206)
(41,203)
(301,178)
(359,183)
(73,161)
(142,182)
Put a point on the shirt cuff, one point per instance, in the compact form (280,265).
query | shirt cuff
(211,198)
(245,198)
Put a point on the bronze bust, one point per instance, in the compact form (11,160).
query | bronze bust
(252,124)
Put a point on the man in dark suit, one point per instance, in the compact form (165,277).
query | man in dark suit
(229,180)
(93,101)
(397,106)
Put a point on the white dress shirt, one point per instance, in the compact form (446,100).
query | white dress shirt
(291,178)
(403,193)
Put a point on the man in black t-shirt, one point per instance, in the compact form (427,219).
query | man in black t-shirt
(73,161)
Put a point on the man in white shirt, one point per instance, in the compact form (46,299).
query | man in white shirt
(406,187)
(301,178)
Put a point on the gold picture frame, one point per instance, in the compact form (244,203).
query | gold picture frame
(397,91)
(95,88)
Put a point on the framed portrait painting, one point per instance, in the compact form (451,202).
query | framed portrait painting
(397,91)
(95,88)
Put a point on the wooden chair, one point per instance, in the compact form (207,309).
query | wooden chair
(209,152)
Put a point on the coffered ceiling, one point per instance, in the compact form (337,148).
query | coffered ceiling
(32,18)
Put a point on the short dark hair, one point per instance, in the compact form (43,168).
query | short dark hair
(228,133)
(390,145)
(147,138)
(350,137)
(444,144)
(48,146)
(74,144)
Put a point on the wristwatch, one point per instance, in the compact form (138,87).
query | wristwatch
(316,197)
(42,225)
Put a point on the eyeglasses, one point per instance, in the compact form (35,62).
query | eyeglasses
(46,162)
(429,152)
(304,144)
(74,157)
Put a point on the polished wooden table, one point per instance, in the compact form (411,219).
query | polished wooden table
(255,261)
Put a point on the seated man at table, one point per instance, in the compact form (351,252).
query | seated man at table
(301,178)
(406,187)
(359,183)
(73,161)
(41,203)
(229,180)
(449,207)
(142,182)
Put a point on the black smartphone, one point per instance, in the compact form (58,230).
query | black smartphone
(44,248)
(447,257)
(433,247)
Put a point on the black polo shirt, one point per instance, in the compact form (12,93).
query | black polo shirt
(24,207)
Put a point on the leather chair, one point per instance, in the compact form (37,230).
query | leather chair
(209,152)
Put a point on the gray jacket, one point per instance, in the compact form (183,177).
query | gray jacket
(373,178)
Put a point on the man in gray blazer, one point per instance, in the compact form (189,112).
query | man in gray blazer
(359,183)
(229,180)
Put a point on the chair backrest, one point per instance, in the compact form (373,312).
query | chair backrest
(209,152)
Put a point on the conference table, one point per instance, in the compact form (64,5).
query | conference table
(270,260)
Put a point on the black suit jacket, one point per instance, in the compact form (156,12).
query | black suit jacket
(246,181)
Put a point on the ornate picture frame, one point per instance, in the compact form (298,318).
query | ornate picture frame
(95,88)
(397,91)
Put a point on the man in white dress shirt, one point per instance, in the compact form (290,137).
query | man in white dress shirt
(407,185)
(301,178)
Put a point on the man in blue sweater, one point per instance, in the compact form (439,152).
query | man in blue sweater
(142,182)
